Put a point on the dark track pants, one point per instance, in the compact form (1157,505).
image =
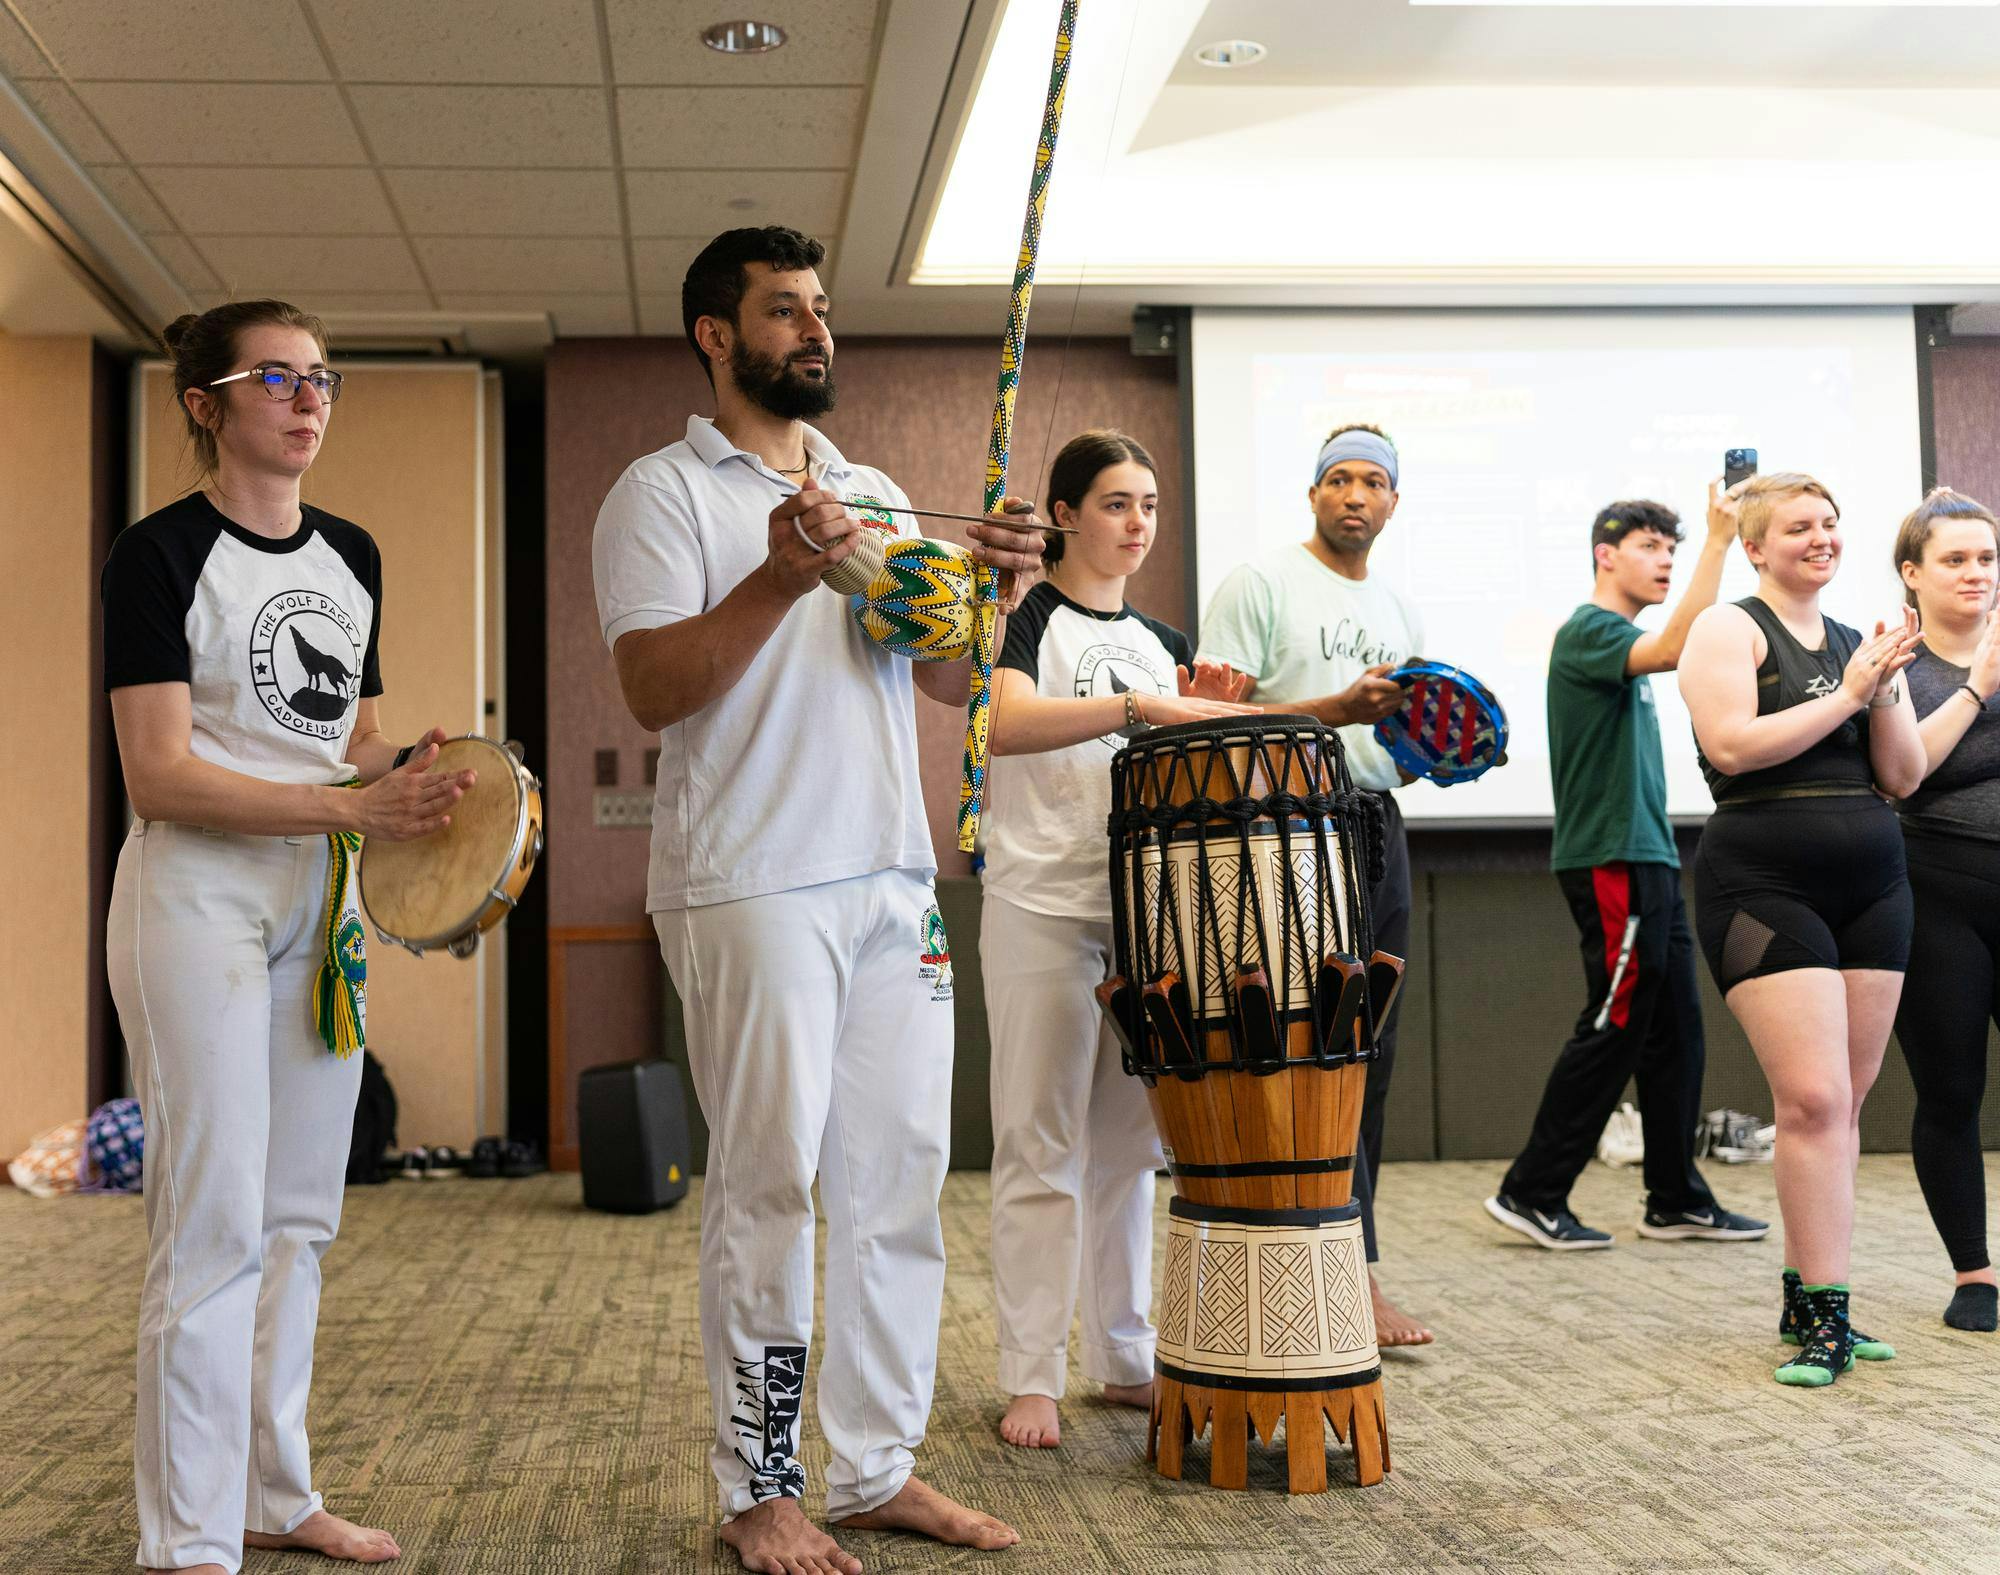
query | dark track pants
(1389,909)
(1653,1032)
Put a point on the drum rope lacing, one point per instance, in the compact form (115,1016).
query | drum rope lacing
(1271,757)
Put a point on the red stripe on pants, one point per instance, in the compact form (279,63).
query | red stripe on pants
(1613,884)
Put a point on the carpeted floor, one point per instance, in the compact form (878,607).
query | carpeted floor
(513,1385)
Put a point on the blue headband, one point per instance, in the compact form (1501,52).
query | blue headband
(1357,444)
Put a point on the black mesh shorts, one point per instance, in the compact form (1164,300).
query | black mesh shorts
(1801,883)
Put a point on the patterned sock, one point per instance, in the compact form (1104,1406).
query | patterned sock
(1974,1307)
(1867,1349)
(1826,1344)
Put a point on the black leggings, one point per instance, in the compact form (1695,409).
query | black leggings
(1951,992)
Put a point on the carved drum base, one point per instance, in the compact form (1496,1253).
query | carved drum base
(1265,1315)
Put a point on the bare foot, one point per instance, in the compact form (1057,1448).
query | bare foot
(1393,1326)
(775,1538)
(923,1509)
(1031,1423)
(1139,1395)
(320,1532)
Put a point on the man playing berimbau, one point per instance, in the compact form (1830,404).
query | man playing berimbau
(791,885)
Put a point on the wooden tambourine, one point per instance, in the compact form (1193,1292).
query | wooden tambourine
(449,888)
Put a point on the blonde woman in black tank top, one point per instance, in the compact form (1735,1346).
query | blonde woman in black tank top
(1802,902)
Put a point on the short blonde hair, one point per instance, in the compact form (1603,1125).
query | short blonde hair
(1914,534)
(1762,495)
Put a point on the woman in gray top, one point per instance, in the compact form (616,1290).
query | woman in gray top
(1948,553)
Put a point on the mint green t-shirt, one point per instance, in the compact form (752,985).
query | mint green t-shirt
(1303,632)
(1604,749)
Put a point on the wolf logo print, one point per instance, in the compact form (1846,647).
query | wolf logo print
(305,660)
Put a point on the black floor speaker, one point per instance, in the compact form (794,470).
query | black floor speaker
(633,1133)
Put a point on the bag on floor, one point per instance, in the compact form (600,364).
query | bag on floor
(51,1165)
(115,1148)
(1624,1139)
(374,1125)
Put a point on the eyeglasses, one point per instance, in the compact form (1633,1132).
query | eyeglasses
(281,382)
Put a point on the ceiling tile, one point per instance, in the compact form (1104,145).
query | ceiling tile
(828,41)
(184,262)
(224,122)
(358,301)
(210,201)
(64,114)
(507,202)
(19,57)
(574,264)
(283,265)
(700,202)
(130,197)
(661,314)
(490,127)
(705,128)
(661,263)
(576,315)
(187,41)
(511,41)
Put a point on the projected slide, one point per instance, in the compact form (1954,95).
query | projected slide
(1514,429)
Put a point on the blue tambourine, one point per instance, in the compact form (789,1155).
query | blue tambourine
(1449,729)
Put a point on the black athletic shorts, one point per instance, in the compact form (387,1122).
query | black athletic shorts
(1801,883)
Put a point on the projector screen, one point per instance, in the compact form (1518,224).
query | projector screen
(1514,428)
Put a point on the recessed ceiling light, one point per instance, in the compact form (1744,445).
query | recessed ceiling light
(1231,52)
(743,38)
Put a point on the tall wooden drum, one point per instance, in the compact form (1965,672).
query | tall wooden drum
(1247,994)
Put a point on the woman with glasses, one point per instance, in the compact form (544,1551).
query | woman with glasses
(240,636)
(1801,901)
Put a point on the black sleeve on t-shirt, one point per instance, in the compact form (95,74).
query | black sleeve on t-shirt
(1022,648)
(148,586)
(1176,643)
(363,558)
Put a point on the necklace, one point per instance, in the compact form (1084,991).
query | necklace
(804,464)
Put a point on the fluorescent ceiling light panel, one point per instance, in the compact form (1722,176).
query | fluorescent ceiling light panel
(1385,188)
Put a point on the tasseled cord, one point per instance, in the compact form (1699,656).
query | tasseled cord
(343,971)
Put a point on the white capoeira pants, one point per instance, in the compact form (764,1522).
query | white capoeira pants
(1074,1151)
(819,1029)
(213,942)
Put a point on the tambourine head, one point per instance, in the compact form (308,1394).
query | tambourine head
(920,603)
(445,889)
(1450,727)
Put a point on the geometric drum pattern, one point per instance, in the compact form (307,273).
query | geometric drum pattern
(1267,1306)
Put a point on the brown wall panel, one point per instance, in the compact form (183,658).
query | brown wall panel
(50,929)
(1965,405)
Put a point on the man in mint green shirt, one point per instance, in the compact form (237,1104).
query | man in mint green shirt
(1616,861)
(1317,634)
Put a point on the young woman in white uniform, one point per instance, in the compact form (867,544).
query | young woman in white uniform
(1074,1147)
(240,632)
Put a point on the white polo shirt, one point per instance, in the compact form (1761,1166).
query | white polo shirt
(806,770)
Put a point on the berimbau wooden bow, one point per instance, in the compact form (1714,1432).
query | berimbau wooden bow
(979,713)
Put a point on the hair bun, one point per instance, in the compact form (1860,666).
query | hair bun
(172,335)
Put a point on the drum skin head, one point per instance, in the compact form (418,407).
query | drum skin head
(432,888)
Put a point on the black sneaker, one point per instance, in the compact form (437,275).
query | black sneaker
(1557,1229)
(1714,1223)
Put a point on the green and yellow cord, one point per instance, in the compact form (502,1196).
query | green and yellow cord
(343,970)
